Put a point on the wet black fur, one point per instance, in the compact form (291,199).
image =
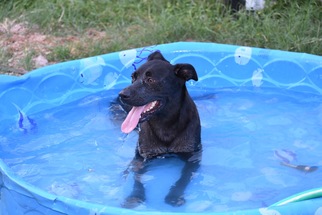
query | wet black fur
(173,129)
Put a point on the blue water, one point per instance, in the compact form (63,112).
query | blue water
(78,151)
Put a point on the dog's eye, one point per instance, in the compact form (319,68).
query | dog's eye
(148,74)
(150,80)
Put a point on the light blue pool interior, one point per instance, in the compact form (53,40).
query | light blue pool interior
(258,108)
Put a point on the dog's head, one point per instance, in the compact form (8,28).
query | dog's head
(154,85)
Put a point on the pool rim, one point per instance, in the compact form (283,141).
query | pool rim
(10,180)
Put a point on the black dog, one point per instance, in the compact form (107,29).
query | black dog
(169,122)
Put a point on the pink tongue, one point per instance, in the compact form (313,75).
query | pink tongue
(132,119)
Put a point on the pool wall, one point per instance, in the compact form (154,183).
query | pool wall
(217,65)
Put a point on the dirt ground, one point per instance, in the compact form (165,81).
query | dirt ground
(20,41)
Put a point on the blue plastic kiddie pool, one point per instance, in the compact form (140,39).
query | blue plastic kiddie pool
(62,150)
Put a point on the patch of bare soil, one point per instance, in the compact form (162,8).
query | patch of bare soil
(18,41)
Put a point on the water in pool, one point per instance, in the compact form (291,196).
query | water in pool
(78,151)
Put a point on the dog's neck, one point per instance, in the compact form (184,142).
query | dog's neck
(170,116)
(174,119)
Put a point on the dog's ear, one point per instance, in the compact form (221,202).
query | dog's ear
(185,71)
(156,56)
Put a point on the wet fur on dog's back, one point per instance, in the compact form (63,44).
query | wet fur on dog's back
(170,126)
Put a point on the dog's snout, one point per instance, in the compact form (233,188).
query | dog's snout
(124,94)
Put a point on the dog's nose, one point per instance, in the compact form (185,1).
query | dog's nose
(124,94)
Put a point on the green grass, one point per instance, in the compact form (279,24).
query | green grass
(293,25)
